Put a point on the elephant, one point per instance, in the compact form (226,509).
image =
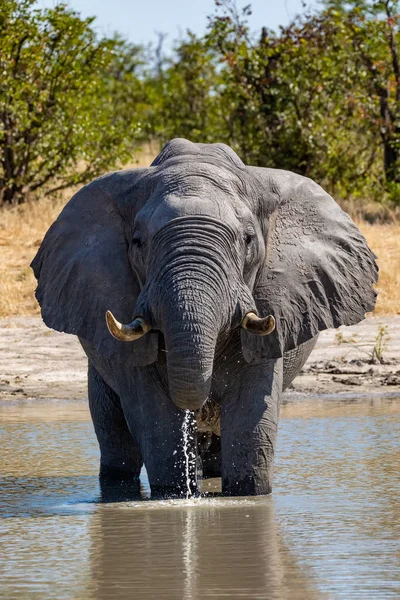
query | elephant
(198,285)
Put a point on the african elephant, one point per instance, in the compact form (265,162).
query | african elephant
(224,274)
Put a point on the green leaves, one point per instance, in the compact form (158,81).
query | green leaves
(63,117)
(320,97)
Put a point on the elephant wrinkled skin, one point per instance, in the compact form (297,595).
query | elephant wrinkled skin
(223,275)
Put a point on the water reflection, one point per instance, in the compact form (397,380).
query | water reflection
(338,483)
(215,548)
(44,558)
(331,529)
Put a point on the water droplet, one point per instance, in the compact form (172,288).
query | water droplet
(186,453)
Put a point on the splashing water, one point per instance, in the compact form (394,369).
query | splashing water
(188,455)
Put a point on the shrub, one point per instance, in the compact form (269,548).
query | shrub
(62,98)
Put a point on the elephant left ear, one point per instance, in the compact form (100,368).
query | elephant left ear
(318,271)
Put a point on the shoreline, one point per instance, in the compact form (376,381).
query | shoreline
(37,363)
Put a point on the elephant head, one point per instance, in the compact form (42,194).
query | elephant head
(194,246)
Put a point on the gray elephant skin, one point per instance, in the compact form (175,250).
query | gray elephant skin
(223,275)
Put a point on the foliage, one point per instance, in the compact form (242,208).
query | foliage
(372,31)
(180,96)
(320,97)
(62,98)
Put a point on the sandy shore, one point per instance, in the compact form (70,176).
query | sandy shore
(38,363)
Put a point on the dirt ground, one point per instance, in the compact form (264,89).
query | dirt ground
(38,363)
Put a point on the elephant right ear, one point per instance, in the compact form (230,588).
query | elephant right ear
(318,272)
(83,269)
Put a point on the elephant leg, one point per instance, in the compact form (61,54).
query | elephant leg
(120,454)
(209,446)
(294,360)
(168,454)
(249,422)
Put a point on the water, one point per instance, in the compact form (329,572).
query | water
(330,530)
(186,432)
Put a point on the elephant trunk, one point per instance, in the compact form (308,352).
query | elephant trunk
(193,299)
(191,334)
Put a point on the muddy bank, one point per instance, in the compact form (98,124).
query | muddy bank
(359,360)
(38,363)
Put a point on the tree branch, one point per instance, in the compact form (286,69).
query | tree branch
(18,55)
(393,49)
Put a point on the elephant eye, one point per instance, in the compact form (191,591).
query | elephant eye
(137,240)
(248,238)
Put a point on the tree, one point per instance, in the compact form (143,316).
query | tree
(317,97)
(181,93)
(275,89)
(62,100)
(372,32)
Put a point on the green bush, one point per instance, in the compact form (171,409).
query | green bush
(63,92)
(320,97)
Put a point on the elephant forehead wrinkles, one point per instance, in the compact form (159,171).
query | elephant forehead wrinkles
(195,178)
(188,206)
(206,202)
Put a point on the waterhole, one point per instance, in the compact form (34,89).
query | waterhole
(331,528)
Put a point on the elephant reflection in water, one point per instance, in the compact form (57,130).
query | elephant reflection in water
(202,551)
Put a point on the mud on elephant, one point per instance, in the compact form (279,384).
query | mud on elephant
(223,275)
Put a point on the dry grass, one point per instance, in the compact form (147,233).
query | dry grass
(22,229)
(371,211)
(385,242)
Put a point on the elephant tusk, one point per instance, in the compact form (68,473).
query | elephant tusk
(127,333)
(258,326)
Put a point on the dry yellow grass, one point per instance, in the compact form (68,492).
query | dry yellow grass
(22,229)
(384,239)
